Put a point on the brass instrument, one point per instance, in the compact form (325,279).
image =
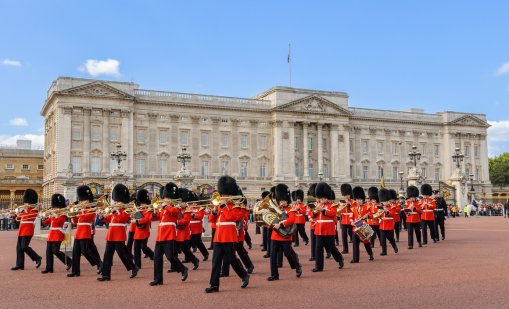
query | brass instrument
(268,213)
(74,210)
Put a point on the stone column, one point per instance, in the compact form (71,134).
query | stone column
(106,141)
(63,141)
(152,144)
(214,142)
(334,149)
(291,148)
(278,149)
(86,140)
(305,152)
(345,167)
(485,171)
(126,140)
(319,149)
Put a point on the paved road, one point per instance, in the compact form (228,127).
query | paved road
(467,270)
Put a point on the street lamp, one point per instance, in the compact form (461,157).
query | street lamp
(401,179)
(320,175)
(119,155)
(471,176)
(457,157)
(183,158)
(414,155)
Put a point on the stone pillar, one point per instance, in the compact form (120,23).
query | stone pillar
(64,146)
(152,143)
(485,171)
(106,141)
(126,141)
(305,152)
(86,140)
(319,149)
(278,150)
(334,151)
(291,149)
(345,167)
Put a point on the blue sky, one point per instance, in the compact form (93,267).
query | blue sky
(436,55)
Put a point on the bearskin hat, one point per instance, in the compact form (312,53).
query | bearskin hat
(132,197)
(142,197)
(161,192)
(426,189)
(171,191)
(346,189)
(226,185)
(184,194)
(30,196)
(322,190)
(311,190)
(332,196)
(394,194)
(358,193)
(265,193)
(412,191)
(283,193)
(58,201)
(298,195)
(120,193)
(84,193)
(384,195)
(373,193)
(193,197)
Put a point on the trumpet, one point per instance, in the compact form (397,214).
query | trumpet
(54,212)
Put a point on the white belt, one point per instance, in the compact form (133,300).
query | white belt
(387,218)
(57,229)
(118,224)
(299,215)
(226,223)
(84,223)
(348,213)
(413,213)
(167,223)
(194,222)
(439,210)
(27,222)
(324,221)
(428,210)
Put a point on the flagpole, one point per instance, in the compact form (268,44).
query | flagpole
(290,64)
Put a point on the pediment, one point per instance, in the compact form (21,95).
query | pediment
(314,104)
(470,120)
(97,89)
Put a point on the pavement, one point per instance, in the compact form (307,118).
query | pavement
(467,270)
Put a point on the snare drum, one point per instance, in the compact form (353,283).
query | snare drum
(363,230)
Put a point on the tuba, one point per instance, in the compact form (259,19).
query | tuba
(266,213)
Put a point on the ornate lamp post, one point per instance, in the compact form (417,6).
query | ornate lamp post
(183,158)
(457,157)
(414,155)
(184,177)
(320,175)
(401,179)
(118,156)
(471,178)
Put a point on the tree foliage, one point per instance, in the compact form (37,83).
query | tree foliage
(499,169)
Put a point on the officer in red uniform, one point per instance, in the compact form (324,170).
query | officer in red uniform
(226,216)
(397,215)
(359,210)
(116,236)
(280,243)
(212,220)
(166,235)
(346,216)
(312,216)
(142,228)
(373,208)
(26,231)
(83,241)
(56,235)
(413,220)
(131,230)
(196,224)
(428,206)
(387,221)
(300,216)
(183,240)
(325,228)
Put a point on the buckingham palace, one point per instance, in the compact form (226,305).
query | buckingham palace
(283,135)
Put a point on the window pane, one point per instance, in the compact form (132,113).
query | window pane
(243,169)
(140,166)
(243,141)
(76,164)
(141,136)
(95,165)
(205,138)
(184,136)
(310,143)
(114,134)
(262,169)
(262,141)
(163,166)
(163,137)
(96,135)
(205,168)
(225,139)
(395,172)
(225,167)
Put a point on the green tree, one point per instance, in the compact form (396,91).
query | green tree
(499,169)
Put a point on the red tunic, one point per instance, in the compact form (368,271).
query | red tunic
(397,208)
(196,221)
(143,233)
(347,214)
(326,221)
(184,233)
(413,214)
(312,219)
(168,225)
(226,220)
(246,219)
(132,226)
(212,220)
(84,222)
(286,223)
(387,221)
(117,225)
(358,211)
(428,206)
(56,231)
(27,222)
(300,214)
(373,208)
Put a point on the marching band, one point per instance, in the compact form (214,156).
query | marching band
(281,213)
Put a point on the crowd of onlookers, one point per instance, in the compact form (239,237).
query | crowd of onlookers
(8,222)
(491,209)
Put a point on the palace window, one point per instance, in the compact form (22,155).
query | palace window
(113,134)
(311,170)
(423,171)
(225,167)
(25,167)
(380,147)
(205,168)
(204,139)
(351,171)
(243,169)
(297,169)
(423,149)
(477,174)
(95,164)
(395,148)
(9,166)
(476,151)
(365,173)
(141,136)
(262,169)
(163,137)
(140,166)
(436,150)
(324,145)
(40,167)
(184,138)
(225,140)
(395,172)
(350,145)
(437,174)
(96,133)
(113,165)
(76,133)
(163,166)
(296,143)
(262,142)
(325,170)
(365,148)
(244,140)
(310,143)
(467,151)
(380,172)
(76,164)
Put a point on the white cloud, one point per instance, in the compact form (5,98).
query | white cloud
(101,67)
(10,140)
(12,63)
(503,69)
(498,137)
(18,122)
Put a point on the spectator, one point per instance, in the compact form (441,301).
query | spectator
(465,211)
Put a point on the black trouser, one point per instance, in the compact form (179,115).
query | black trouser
(84,247)
(141,245)
(285,248)
(313,243)
(125,257)
(375,228)
(384,235)
(269,241)
(346,230)
(247,238)
(265,240)
(53,248)
(325,241)
(411,228)
(355,248)
(403,219)
(243,255)
(440,222)
(257,230)
(198,243)
(425,225)
(185,247)
(165,248)
(336,236)
(301,229)
(130,242)
(397,228)
(212,238)
(22,247)
(224,252)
